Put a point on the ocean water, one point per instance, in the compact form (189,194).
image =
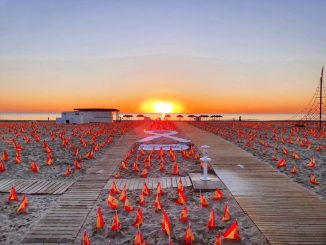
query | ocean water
(226,116)
(29,115)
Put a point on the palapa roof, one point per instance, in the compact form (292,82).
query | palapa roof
(96,109)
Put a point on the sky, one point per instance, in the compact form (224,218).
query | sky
(254,56)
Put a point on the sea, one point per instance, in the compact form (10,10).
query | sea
(173,116)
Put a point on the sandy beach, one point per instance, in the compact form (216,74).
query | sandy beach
(152,230)
(13,226)
(151,227)
(67,143)
(270,141)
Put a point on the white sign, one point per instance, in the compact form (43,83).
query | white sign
(165,147)
(156,134)
(162,133)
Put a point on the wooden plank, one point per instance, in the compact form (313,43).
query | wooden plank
(7,184)
(3,182)
(132,184)
(141,183)
(117,182)
(178,179)
(28,185)
(38,185)
(188,181)
(281,208)
(183,181)
(168,182)
(53,187)
(108,184)
(136,184)
(120,183)
(200,185)
(127,183)
(47,239)
(149,182)
(174,182)
(60,189)
(44,188)
(19,184)
(163,182)
(154,183)
(160,179)
(123,183)
(31,189)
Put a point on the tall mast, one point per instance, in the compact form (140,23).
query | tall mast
(321,97)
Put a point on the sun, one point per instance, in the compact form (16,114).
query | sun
(160,106)
(163,107)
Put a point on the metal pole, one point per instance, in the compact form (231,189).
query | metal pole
(321,97)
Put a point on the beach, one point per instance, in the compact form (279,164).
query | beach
(34,140)
(274,141)
(152,219)
(30,140)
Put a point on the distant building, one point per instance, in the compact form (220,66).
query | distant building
(89,115)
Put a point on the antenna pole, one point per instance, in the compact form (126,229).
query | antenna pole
(321,97)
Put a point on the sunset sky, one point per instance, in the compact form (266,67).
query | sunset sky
(201,56)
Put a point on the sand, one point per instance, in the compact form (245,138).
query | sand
(185,167)
(13,226)
(151,228)
(62,156)
(265,133)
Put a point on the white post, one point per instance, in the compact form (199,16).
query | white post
(205,150)
(206,160)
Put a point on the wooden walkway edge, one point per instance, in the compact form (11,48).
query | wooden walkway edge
(35,186)
(138,183)
(62,223)
(285,212)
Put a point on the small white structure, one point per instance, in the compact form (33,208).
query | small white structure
(206,161)
(89,115)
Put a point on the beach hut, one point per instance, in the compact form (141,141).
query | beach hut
(88,115)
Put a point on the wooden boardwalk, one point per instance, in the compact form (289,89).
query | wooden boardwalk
(138,183)
(62,223)
(285,212)
(35,186)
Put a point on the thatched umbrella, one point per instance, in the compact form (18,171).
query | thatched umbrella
(167,116)
(204,116)
(128,116)
(214,116)
(192,116)
(140,115)
(179,116)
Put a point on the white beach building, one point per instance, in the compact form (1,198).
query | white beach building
(89,115)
